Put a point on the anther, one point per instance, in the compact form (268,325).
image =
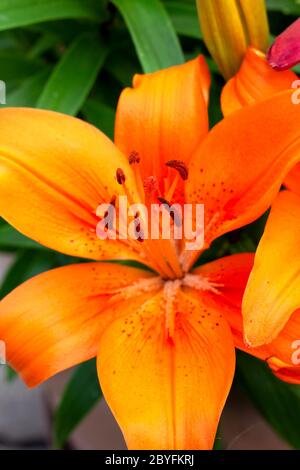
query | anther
(120,175)
(179,166)
(163,201)
(138,230)
(106,226)
(108,216)
(141,237)
(168,206)
(137,219)
(134,158)
(173,213)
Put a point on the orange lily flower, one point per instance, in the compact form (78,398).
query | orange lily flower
(271,302)
(165,337)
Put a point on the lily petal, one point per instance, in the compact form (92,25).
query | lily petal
(284,351)
(273,290)
(254,82)
(231,275)
(167,392)
(287,373)
(282,354)
(55,320)
(55,170)
(292,181)
(238,170)
(164,116)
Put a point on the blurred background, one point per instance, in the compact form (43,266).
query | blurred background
(75,56)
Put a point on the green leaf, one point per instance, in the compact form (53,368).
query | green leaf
(218,440)
(28,92)
(123,66)
(12,239)
(152,32)
(10,374)
(242,242)
(214,110)
(64,30)
(296,69)
(184,17)
(80,396)
(74,76)
(28,264)
(289,7)
(14,68)
(8,41)
(43,44)
(100,115)
(278,402)
(14,13)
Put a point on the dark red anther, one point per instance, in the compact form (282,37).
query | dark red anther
(138,225)
(141,238)
(138,230)
(163,201)
(172,211)
(107,214)
(106,226)
(120,175)
(179,166)
(134,158)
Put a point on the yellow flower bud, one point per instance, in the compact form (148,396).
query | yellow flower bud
(229,27)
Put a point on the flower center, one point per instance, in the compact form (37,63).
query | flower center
(158,195)
(169,290)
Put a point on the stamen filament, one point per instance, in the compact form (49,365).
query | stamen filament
(170,291)
(134,160)
(171,190)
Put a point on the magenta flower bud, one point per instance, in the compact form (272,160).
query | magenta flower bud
(285,51)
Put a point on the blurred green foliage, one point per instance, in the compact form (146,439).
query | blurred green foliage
(75,56)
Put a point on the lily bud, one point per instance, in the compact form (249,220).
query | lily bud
(285,51)
(229,27)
